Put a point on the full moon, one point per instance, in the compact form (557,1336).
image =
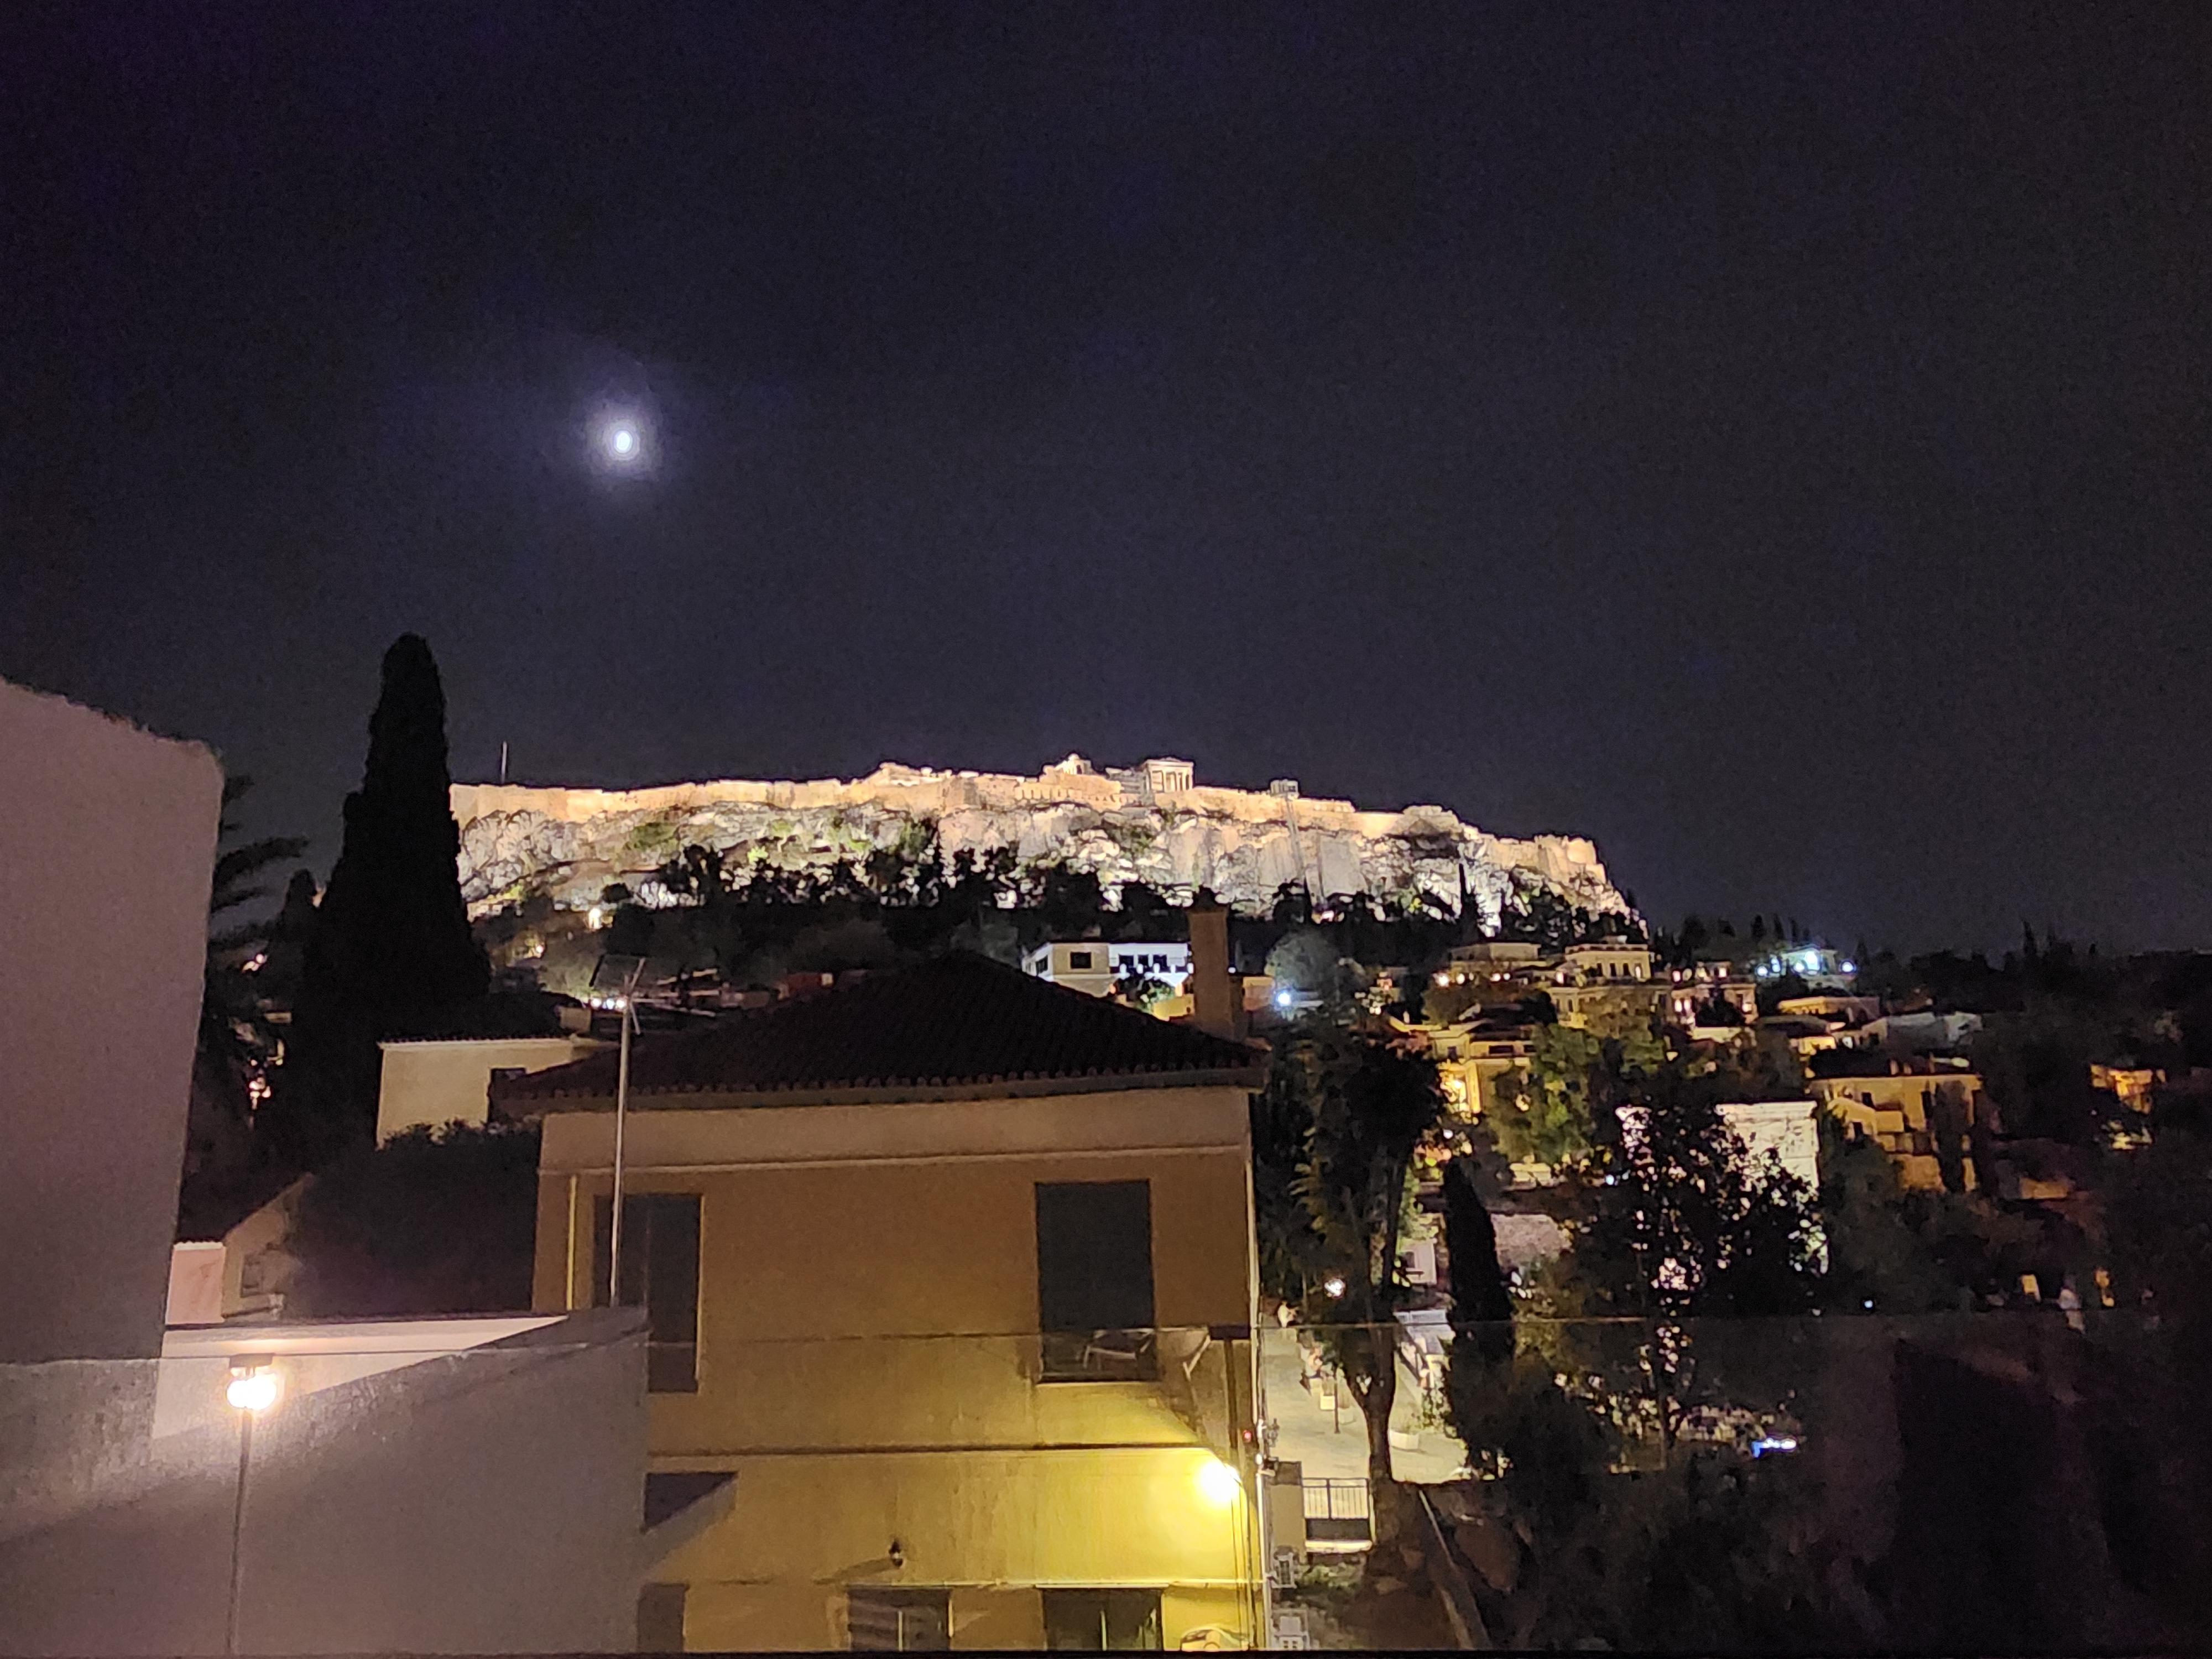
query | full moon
(620,441)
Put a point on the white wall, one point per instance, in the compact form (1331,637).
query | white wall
(487,1500)
(106,844)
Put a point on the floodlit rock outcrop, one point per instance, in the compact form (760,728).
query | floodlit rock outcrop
(1152,823)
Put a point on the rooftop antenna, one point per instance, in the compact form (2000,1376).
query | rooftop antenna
(622,971)
(502,760)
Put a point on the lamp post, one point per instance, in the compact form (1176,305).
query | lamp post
(255,1388)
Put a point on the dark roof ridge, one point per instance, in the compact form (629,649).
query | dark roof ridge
(953,1023)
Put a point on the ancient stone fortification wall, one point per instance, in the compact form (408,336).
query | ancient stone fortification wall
(568,844)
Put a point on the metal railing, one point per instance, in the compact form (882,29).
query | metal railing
(1339,1512)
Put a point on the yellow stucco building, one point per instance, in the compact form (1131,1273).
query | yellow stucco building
(1471,1057)
(954,1271)
(1896,1110)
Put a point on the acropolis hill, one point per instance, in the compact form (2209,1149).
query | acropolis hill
(1152,823)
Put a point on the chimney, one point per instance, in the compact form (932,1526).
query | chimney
(1215,1002)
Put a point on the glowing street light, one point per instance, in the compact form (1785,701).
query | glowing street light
(1333,1285)
(254,1390)
(1218,1482)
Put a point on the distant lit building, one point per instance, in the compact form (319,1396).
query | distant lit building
(1834,1006)
(2133,1086)
(1605,963)
(1097,966)
(1691,989)
(1815,965)
(1899,1111)
(1922,1033)
(1494,959)
(1787,1130)
(1470,1059)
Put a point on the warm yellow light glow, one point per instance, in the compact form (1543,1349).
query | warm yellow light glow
(1218,1482)
(255,1391)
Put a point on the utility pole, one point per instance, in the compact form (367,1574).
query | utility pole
(622,1114)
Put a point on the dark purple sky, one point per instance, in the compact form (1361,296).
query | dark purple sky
(1772,440)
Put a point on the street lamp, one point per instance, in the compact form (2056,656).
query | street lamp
(256,1386)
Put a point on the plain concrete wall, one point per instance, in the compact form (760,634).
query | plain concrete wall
(106,845)
(485,1501)
(426,1086)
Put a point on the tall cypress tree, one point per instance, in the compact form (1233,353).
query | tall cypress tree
(389,954)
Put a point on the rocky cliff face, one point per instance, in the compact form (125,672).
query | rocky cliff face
(568,844)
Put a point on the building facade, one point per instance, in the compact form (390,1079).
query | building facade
(106,836)
(954,1271)
(1901,1113)
(1471,1058)
(1097,966)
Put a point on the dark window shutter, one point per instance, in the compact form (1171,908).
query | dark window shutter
(660,1272)
(1094,1255)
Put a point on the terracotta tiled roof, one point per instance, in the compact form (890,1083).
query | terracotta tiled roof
(953,1021)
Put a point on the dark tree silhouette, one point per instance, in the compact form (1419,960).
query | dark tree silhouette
(236,1039)
(431,1222)
(1070,902)
(391,954)
(1478,1282)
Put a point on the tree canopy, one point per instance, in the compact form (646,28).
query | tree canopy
(391,954)
(1334,1134)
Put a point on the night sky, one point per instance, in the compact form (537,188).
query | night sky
(1770,439)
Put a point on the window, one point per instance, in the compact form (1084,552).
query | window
(1095,1279)
(1077,960)
(1099,1619)
(893,1618)
(660,1271)
(661,1617)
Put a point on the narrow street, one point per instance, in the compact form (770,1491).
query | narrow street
(1334,1445)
